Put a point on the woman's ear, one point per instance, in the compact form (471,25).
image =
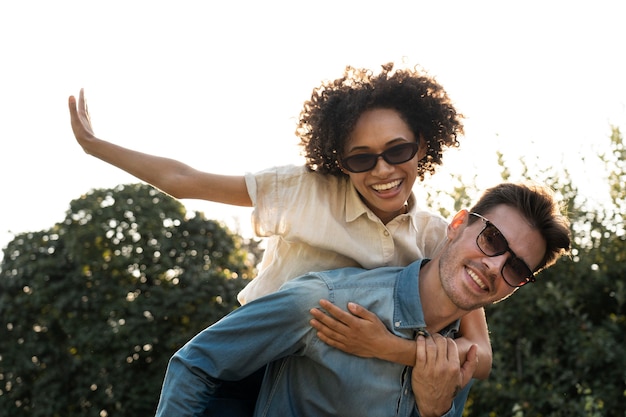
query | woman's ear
(422,149)
(340,166)
(457,223)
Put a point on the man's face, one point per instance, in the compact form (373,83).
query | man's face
(472,279)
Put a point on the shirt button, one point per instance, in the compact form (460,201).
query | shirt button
(397,324)
(386,233)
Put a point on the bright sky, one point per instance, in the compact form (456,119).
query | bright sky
(218,85)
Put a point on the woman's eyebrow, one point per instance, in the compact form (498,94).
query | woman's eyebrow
(390,142)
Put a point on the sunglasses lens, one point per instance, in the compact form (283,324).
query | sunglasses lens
(400,154)
(367,161)
(491,241)
(360,163)
(516,272)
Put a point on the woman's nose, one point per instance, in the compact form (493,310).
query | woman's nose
(382,167)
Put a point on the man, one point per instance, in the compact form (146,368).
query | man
(512,233)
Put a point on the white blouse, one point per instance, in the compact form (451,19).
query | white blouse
(317,222)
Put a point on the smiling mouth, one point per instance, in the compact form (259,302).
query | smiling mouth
(476,279)
(388,186)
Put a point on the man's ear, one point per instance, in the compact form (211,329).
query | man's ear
(458,222)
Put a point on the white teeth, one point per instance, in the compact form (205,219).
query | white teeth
(388,186)
(477,280)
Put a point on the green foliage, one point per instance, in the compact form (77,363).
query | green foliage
(559,344)
(94,307)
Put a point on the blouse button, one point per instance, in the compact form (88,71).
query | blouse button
(386,233)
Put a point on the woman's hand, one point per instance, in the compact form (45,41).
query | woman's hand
(81,122)
(358,332)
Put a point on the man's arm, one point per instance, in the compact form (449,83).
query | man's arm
(260,332)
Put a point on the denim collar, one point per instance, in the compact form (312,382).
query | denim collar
(407,295)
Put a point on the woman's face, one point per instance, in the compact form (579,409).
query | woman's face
(385,188)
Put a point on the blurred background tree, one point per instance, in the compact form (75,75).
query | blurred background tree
(559,343)
(93,308)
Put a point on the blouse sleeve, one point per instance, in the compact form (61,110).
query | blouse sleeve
(283,196)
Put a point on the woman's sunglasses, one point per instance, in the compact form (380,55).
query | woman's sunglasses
(395,155)
(492,243)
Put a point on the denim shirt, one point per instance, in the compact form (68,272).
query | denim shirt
(305,377)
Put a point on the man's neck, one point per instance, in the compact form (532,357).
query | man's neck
(439,311)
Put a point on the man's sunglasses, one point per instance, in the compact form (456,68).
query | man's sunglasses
(395,155)
(492,243)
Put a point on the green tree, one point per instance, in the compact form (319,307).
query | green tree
(559,344)
(94,307)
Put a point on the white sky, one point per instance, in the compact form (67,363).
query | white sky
(218,84)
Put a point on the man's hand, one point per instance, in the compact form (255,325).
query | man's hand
(438,375)
(358,332)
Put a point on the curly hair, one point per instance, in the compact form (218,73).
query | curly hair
(328,118)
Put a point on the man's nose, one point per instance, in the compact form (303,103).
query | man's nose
(495,264)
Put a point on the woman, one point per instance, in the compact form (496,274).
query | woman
(366,138)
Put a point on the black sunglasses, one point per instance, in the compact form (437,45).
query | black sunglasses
(492,243)
(395,155)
